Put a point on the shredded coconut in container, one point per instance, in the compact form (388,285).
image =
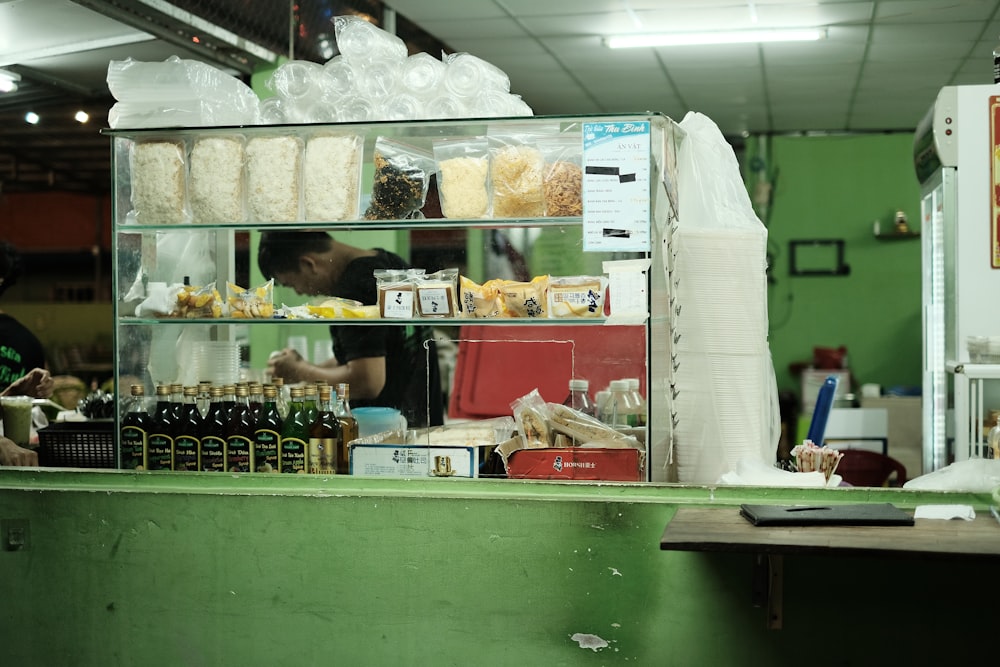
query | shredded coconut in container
(217,180)
(516,175)
(273,180)
(158,186)
(462,187)
(332,175)
(563,187)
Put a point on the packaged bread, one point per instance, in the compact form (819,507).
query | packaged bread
(217,187)
(437,294)
(159,186)
(274,165)
(581,428)
(525,299)
(480,301)
(530,417)
(396,290)
(576,296)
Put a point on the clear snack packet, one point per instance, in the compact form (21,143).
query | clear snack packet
(396,292)
(437,294)
(525,299)
(159,182)
(402,173)
(198,302)
(332,174)
(256,303)
(562,175)
(463,177)
(531,417)
(576,296)
(516,168)
(216,174)
(274,178)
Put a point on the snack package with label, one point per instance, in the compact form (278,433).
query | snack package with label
(480,301)
(583,429)
(531,418)
(197,302)
(577,296)
(256,303)
(522,299)
(437,294)
(396,290)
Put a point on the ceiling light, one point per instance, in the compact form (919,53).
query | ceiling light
(8,81)
(81,116)
(32,118)
(716,37)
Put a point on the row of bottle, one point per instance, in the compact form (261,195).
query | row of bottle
(237,434)
(620,405)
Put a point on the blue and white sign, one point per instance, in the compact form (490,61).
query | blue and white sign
(616,187)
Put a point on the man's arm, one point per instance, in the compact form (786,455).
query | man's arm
(37,383)
(366,375)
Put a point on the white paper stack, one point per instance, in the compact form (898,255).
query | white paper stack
(724,378)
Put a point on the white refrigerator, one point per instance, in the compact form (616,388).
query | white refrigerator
(957,160)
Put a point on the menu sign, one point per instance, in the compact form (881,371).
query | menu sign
(616,187)
(995,181)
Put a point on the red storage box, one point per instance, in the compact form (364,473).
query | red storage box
(580,463)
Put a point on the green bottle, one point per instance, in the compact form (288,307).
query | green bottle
(295,434)
(267,436)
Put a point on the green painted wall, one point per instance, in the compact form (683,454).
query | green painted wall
(200,569)
(835,187)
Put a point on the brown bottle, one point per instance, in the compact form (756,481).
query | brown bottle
(160,450)
(188,432)
(212,454)
(135,431)
(348,425)
(325,436)
(240,433)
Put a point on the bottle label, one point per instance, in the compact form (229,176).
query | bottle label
(160,454)
(265,454)
(322,456)
(133,441)
(293,455)
(238,450)
(186,453)
(213,454)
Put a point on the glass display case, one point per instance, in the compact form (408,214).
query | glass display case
(190,205)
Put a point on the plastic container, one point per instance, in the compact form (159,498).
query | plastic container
(579,398)
(619,411)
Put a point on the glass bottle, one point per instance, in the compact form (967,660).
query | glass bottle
(135,431)
(310,399)
(228,399)
(204,396)
(256,399)
(240,430)
(160,449)
(618,410)
(212,451)
(325,434)
(283,397)
(188,438)
(993,441)
(294,434)
(579,397)
(638,401)
(267,436)
(348,426)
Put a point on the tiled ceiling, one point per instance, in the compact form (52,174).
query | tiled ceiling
(879,68)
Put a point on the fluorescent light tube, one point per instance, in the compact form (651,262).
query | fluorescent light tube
(8,81)
(727,37)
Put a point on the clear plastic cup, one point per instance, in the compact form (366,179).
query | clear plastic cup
(16,412)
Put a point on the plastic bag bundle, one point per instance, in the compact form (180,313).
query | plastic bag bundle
(177,92)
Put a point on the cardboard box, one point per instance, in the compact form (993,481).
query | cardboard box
(389,460)
(579,463)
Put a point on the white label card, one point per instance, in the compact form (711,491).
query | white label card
(398,304)
(616,190)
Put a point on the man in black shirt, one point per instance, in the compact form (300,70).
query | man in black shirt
(20,350)
(393,366)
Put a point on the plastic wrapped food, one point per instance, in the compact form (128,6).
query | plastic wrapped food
(576,296)
(463,171)
(525,299)
(480,301)
(217,188)
(197,302)
(159,183)
(256,303)
(401,177)
(274,188)
(531,417)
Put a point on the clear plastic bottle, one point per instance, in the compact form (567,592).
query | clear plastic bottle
(638,400)
(993,442)
(619,410)
(579,397)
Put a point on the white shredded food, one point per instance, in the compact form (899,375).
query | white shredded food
(273,181)
(463,187)
(332,177)
(516,173)
(217,180)
(158,182)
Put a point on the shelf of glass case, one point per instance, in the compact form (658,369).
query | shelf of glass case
(431,321)
(362,225)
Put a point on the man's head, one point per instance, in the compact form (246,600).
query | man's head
(297,259)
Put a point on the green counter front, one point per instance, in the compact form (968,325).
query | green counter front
(120,568)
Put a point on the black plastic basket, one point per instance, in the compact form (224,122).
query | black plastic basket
(89,444)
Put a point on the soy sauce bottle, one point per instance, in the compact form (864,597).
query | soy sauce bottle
(240,432)
(212,453)
(348,426)
(294,435)
(267,435)
(135,428)
(325,436)
(160,450)
(188,432)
